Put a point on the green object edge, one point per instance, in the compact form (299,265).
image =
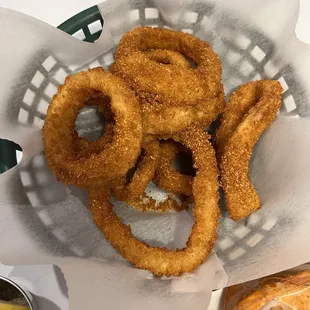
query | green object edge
(72,25)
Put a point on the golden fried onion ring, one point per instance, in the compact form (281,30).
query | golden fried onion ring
(185,86)
(177,96)
(59,128)
(162,261)
(250,111)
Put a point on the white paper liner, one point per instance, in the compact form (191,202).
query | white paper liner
(43,221)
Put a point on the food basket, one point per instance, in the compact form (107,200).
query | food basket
(248,52)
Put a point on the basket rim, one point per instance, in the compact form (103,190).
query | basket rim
(70,26)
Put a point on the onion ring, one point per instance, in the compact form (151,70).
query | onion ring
(58,131)
(186,87)
(195,96)
(255,104)
(168,178)
(162,261)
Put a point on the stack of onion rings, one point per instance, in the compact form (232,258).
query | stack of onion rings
(163,90)
(194,96)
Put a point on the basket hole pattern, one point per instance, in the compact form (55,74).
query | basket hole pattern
(252,63)
(43,86)
(289,103)
(33,198)
(283,83)
(39,182)
(59,234)
(243,42)
(244,60)
(40,187)
(233,57)
(60,76)
(256,77)
(50,90)
(254,239)
(37,79)
(25,178)
(108,59)
(236,253)
(90,32)
(45,218)
(38,161)
(258,54)
(190,17)
(29,97)
(151,13)
(95,26)
(134,15)
(270,69)
(246,68)
(243,237)
(80,35)
(49,63)
(225,244)
(23,116)
(78,251)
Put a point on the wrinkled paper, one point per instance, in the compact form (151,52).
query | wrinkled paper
(43,221)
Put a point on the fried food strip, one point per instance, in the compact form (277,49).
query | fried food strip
(240,102)
(162,261)
(59,128)
(143,175)
(236,142)
(186,86)
(292,291)
(168,57)
(168,178)
(133,192)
